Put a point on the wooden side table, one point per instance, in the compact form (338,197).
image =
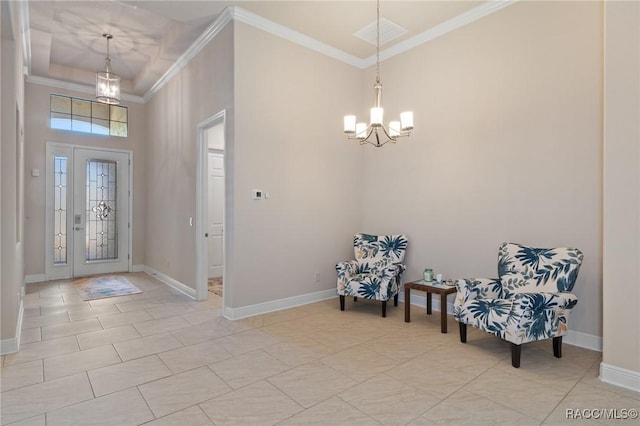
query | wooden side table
(429,288)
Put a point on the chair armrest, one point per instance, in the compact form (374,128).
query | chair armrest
(393,270)
(541,301)
(536,316)
(346,269)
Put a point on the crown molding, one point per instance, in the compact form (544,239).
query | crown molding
(21,29)
(257,21)
(82,88)
(212,30)
(293,36)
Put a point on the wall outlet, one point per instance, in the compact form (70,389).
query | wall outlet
(316,277)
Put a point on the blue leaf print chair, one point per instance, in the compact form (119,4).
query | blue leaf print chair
(375,274)
(531,300)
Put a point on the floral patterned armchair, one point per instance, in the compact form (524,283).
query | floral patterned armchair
(375,274)
(530,300)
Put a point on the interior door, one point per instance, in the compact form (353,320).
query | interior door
(100,212)
(215,214)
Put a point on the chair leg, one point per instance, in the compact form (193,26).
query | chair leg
(463,332)
(557,347)
(342,302)
(515,355)
(384,309)
(395,300)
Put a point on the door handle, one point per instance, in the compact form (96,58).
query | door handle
(79,228)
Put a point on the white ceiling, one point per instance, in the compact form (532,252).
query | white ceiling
(66,40)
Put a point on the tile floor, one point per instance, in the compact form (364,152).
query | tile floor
(159,358)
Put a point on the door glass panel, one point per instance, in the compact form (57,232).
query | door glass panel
(101,224)
(60,210)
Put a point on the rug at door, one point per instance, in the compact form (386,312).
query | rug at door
(92,288)
(215,286)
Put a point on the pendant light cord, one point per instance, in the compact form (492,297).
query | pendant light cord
(378,42)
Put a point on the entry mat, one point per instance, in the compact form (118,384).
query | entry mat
(92,288)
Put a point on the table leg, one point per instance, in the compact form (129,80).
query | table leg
(407,304)
(428,303)
(443,313)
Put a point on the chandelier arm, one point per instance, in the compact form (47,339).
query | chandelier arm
(386,134)
(369,132)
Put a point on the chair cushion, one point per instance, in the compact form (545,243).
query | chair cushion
(370,286)
(531,270)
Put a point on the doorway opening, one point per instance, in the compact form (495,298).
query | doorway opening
(210,206)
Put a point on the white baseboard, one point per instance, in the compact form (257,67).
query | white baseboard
(35,278)
(277,305)
(9,346)
(182,288)
(583,340)
(40,278)
(574,338)
(618,376)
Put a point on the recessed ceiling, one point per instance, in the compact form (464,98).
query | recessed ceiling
(66,40)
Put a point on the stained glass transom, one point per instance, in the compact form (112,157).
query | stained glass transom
(60,210)
(101,211)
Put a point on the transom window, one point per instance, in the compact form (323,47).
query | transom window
(82,115)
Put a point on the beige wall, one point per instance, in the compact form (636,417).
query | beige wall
(11,193)
(200,90)
(277,96)
(289,107)
(621,298)
(507,145)
(38,133)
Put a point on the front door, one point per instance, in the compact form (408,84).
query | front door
(87,204)
(100,212)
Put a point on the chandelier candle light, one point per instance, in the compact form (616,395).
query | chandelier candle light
(107,82)
(372,133)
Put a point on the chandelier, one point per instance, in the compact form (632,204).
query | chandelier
(107,82)
(375,133)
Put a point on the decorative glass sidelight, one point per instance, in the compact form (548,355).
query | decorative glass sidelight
(101,211)
(60,186)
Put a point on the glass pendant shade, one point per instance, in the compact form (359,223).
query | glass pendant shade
(107,87)
(394,128)
(349,123)
(406,119)
(107,82)
(376,116)
(361,130)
